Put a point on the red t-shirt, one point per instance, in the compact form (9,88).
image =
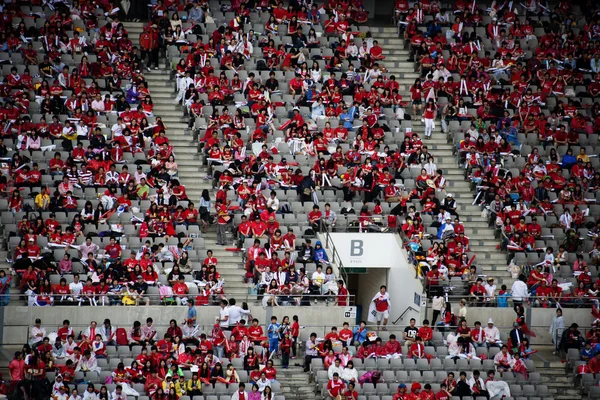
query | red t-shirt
(381,304)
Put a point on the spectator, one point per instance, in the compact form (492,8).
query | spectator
(556,329)
(310,351)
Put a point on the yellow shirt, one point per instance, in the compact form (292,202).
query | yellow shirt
(42,200)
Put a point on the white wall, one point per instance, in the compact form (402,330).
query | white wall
(377,251)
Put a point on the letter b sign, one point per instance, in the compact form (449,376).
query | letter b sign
(356,248)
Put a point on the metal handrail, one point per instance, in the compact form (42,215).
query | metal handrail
(335,257)
(409,308)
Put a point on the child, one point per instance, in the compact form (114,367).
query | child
(273,334)
(285,346)
(525,351)
(503,296)
(295,331)
(346,335)
(588,353)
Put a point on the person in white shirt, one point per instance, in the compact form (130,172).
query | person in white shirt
(82,129)
(88,363)
(441,72)
(263,382)
(90,393)
(75,287)
(36,333)
(240,393)
(518,291)
(490,291)
(75,395)
(492,334)
(236,313)
(224,315)
(273,201)
(117,129)
(335,367)
(352,50)
(496,389)
(139,175)
(182,85)
(478,383)
(503,360)
(349,374)
(118,394)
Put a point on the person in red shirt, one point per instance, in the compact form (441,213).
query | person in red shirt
(270,371)
(332,335)
(478,335)
(400,393)
(393,347)
(381,305)
(335,387)
(443,394)
(314,218)
(204,345)
(426,333)
(255,332)
(342,296)
(66,329)
(180,290)
(345,335)
(594,364)
(113,250)
(417,350)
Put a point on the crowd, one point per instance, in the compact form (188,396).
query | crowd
(87,167)
(516,90)
(519,107)
(179,361)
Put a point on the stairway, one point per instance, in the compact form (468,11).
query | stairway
(191,171)
(295,384)
(481,236)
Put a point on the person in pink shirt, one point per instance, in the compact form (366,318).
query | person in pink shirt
(15,368)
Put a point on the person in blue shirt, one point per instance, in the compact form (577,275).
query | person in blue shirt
(510,134)
(568,160)
(503,296)
(588,353)
(360,332)
(273,334)
(191,311)
(347,117)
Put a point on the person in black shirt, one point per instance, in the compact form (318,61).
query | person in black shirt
(45,68)
(140,288)
(410,332)
(272,84)
(463,390)
(3,148)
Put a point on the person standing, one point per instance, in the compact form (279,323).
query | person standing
(236,313)
(191,312)
(519,292)
(36,333)
(556,329)
(149,41)
(223,319)
(437,305)
(223,219)
(429,117)
(310,351)
(379,310)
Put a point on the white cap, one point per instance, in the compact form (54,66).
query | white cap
(491,321)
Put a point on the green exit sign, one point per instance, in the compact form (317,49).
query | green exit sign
(355,270)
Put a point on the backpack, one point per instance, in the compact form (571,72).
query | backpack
(121,337)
